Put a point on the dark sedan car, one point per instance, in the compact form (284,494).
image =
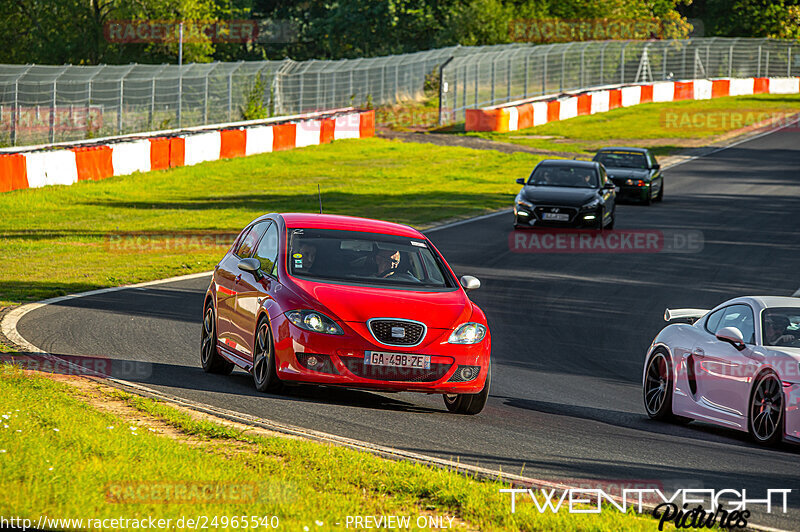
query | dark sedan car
(635,171)
(566,193)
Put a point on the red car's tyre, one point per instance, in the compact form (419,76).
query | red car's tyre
(210,358)
(265,375)
(469,403)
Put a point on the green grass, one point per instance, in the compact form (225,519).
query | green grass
(664,127)
(70,472)
(65,239)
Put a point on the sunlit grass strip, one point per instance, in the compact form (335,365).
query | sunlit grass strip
(60,456)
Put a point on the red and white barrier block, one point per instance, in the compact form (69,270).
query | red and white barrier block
(69,165)
(522,115)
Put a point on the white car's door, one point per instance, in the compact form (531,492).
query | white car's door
(721,372)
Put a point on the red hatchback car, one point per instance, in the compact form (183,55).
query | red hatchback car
(337,300)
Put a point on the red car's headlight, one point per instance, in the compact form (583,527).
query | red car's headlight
(468,333)
(314,321)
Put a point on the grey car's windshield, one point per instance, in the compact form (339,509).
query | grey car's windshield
(619,159)
(365,258)
(781,326)
(564,176)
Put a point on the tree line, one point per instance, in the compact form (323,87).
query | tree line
(78,31)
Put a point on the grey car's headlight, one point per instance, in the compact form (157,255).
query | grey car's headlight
(592,204)
(311,320)
(468,333)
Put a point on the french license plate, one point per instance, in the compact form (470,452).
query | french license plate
(556,216)
(396,360)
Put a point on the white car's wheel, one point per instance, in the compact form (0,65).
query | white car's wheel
(765,421)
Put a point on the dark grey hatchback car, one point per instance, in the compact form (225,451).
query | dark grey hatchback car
(568,194)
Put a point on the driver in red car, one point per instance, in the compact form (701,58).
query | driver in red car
(386,262)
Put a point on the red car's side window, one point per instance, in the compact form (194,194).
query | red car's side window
(244,248)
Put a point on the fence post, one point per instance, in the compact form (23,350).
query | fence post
(151,118)
(383,85)
(527,72)
(205,100)
(396,80)
(766,64)
(477,75)
(544,72)
(758,74)
(563,67)
(730,61)
(442,91)
(494,77)
(15,114)
(508,79)
(463,92)
(789,64)
(602,62)
(583,75)
(52,134)
(119,109)
(230,96)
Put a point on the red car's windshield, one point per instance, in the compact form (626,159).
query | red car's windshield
(364,258)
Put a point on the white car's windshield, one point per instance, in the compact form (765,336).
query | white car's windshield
(781,326)
(365,258)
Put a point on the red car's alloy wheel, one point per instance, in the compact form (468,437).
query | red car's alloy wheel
(264,373)
(209,356)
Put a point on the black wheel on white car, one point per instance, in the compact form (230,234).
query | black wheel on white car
(210,358)
(265,375)
(658,386)
(469,403)
(765,421)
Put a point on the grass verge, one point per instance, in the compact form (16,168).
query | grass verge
(62,456)
(663,127)
(65,239)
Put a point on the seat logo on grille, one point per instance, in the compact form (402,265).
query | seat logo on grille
(398,332)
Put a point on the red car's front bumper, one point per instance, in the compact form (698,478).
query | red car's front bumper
(346,355)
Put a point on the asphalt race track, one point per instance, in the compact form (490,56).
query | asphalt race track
(569,335)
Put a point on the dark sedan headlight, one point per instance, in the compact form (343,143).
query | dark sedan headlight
(311,320)
(468,333)
(526,204)
(591,205)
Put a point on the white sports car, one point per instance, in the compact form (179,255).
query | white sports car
(737,365)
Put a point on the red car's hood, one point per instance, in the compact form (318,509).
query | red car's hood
(438,310)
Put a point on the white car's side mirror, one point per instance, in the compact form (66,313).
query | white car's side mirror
(732,335)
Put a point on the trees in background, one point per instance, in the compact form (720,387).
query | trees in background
(72,31)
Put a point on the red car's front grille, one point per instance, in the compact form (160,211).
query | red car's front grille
(396,332)
(388,373)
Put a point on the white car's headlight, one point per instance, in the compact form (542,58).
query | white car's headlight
(468,333)
(311,320)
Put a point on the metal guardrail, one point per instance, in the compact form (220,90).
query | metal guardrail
(46,104)
(499,76)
